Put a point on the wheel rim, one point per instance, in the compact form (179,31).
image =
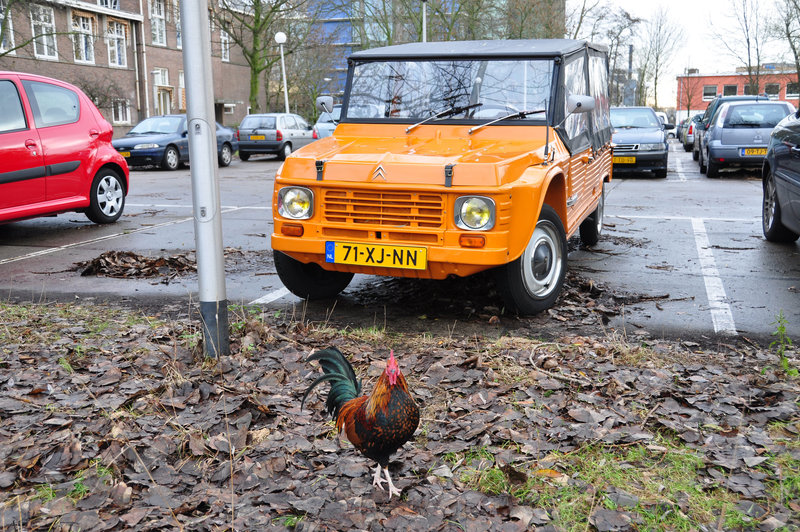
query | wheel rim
(769,203)
(542,261)
(226,154)
(172,158)
(287,150)
(109,196)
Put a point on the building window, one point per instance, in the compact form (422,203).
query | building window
(158,22)
(117,43)
(229,108)
(709,92)
(225,45)
(120,112)
(6,29)
(110,4)
(83,38)
(793,90)
(160,77)
(181,91)
(730,90)
(178,34)
(772,90)
(43,27)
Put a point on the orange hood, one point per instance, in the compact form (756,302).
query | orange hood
(384,153)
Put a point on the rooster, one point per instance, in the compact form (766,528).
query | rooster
(377,425)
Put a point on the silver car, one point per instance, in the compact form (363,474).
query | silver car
(326,122)
(275,133)
(739,132)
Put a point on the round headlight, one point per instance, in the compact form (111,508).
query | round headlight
(296,203)
(474,212)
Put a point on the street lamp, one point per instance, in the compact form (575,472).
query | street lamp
(280,38)
(424,20)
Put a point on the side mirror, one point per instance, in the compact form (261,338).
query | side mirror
(578,103)
(669,126)
(325,104)
(185,133)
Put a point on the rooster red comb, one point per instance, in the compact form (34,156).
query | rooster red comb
(392,369)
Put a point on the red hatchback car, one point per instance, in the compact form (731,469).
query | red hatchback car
(55,152)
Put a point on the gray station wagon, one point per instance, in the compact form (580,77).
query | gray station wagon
(273,133)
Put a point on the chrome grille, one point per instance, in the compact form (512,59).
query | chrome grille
(392,209)
(625,147)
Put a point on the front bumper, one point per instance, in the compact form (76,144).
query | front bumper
(642,160)
(147,157)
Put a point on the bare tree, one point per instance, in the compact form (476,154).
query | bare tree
(746,43)
(661,40)
(689,88)
(252,25)
(787,27)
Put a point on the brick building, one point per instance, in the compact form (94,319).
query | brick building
(125,54)
(695,90)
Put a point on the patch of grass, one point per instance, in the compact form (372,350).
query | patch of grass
(79,488)
(787,487)
(45,492)
(64,363)
(782,343)
(289,521)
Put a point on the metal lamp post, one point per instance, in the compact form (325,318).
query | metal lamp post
(424,20)
(280,38)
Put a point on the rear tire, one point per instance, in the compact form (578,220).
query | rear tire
(661,173)
(244,156)
(106,197)
(309,281)
(687,147)
(532,283)
(285,152)
(712,169)
(703,167)
(592,227)
(774,230)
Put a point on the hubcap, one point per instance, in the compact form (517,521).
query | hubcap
(769,203)
(109,196)
(542,261)
(172,158)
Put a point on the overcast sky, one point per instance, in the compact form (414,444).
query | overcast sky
(700,19)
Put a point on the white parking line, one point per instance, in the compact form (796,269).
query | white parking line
(269,298)
(680,218)
(717,299)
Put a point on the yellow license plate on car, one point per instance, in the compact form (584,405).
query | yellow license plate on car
(754,151)
(625,160)
(361,254)
(125,153)
(257,137)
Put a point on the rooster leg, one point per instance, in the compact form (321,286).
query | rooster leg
(392,489)
(376,479)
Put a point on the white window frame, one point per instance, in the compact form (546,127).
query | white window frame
(736,91)
(161,77)
(158,22)
(120,112)
(83,38)
(792,95)
(110,4)
(710,97)
(229,108)
(43,32)
(178,32)
(117,43)
(225,46)
(775,95)
(8,35)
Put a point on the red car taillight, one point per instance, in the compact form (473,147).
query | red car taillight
(237,135)
(278,135)
(691,128)
(314,134)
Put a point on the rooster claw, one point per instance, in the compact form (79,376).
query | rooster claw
(378,481)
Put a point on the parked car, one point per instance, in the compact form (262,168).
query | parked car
(738,134)
(687,135)
(662,116)
(164,141)
(680,127)
(780,213)
(698,148)
(326,122)
(273,133)
(441,166)
(640,140)
(55,152)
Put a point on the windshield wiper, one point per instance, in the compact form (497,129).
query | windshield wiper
(441,114)
(518,114)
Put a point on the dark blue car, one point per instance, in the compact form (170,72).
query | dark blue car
(163,141)
(780,217)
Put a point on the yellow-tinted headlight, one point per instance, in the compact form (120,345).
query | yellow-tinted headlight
(475,212)
(296,203)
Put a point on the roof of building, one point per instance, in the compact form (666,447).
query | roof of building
(477,49)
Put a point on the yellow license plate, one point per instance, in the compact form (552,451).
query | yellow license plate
(360,254)
(257,137)
(754,151)
(125,153)
(625,160)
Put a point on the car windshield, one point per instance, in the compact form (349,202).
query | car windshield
(258,122)
(157,124)
(755,115)
(418,90)
(623,118)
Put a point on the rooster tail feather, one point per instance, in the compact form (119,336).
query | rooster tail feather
(338,371)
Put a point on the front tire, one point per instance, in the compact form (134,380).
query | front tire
(106,197)
(285,152)
(225,155)
(774,230)
(532,283)
(309,281)
(172,159)
(592,227)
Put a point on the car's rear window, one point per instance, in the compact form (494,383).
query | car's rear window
(765,115)
(52,105)
(258,122)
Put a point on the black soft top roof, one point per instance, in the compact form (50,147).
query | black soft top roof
(477,49)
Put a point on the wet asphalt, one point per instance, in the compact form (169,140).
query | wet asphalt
(692,246)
